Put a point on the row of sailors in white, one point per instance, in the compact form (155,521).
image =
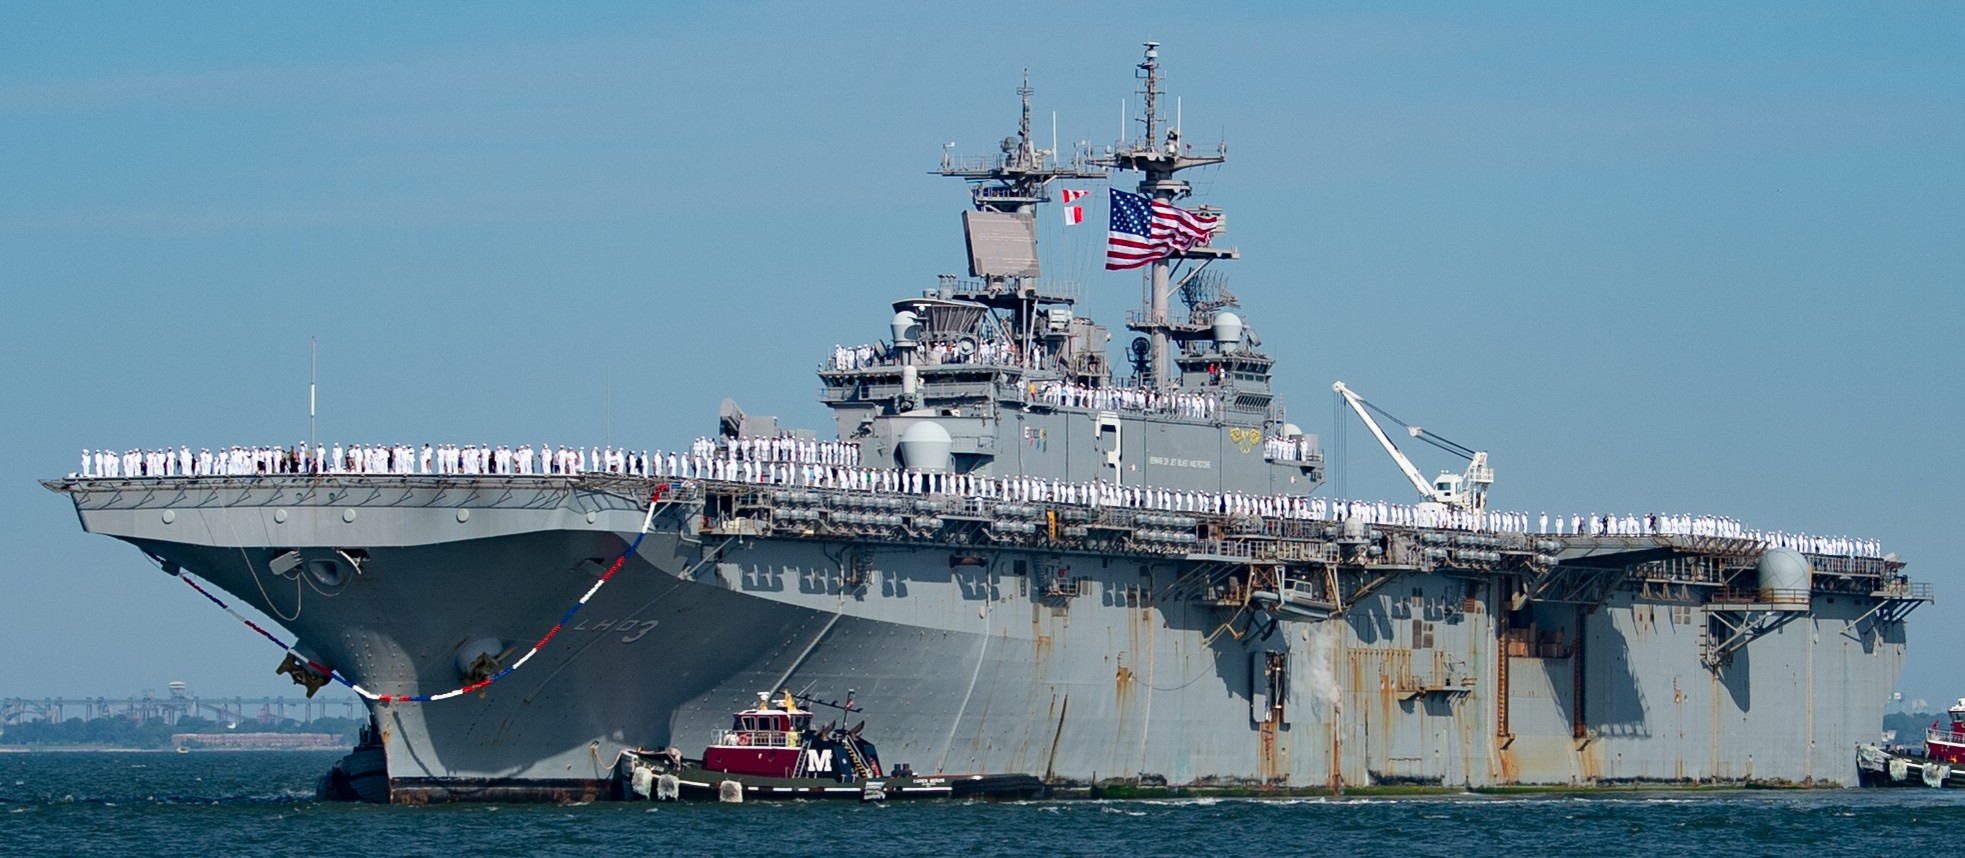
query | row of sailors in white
(1712,525)
(468,459)
(181,462)
(855,357)
(1195,405)
(1844,546)
(791,461)
(1203,406)
(992,352)
(783,448)
(730,468)
(1294,449)
(1645,525)
(486,459)
(987,352)
(475,459)
(364,459)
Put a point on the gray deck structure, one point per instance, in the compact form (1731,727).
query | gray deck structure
(1266,651)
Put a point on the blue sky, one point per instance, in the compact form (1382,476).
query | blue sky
(1674,256)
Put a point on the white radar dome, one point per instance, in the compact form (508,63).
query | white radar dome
(926,446)
(907,326)
(1227,331)
(1784,575)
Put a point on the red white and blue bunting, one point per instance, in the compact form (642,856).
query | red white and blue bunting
(646,521)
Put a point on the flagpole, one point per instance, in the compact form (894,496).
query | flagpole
(1166,232)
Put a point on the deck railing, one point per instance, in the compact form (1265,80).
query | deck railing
(755,738)
(1763,597)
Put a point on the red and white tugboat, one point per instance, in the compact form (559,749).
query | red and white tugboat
(1941,765)
(773,750)
(1945,743)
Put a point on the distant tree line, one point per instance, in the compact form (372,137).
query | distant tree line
(124,731)
(1910,726)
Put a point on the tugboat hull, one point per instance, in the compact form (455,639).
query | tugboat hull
(650,777)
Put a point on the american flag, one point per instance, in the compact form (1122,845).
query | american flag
(1143,230)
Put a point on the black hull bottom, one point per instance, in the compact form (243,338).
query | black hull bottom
(713,786)
(1878,767)
(664,778)
(357,778)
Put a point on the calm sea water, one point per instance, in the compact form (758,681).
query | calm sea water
(261,804)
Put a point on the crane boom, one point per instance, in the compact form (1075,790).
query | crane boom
(1463,491)
(1412,473)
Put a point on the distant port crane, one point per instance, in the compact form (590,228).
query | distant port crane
(179,704)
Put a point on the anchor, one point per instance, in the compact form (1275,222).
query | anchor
(303,673)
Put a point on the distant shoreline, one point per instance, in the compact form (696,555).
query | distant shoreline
(103,749)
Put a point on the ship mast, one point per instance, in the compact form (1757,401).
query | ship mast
(1159,160)
(1018,180)
(1001,231)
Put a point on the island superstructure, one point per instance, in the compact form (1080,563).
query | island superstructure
(1029,558)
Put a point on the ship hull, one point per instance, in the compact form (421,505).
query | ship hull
(976,660)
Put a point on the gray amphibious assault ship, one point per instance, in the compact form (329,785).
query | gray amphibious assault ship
(1022,559)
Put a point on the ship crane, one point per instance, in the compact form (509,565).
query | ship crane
(1467,491)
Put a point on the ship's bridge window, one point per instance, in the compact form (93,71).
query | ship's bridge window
(801,722)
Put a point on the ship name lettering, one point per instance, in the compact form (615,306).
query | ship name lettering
(1176,462)
(636,634)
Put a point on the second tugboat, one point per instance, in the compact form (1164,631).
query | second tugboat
(1941,765)
(773,751)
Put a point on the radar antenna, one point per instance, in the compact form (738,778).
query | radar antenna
(1002,229)
(1016,181)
